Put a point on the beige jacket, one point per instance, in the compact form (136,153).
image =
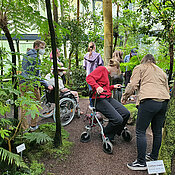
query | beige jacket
(150,81)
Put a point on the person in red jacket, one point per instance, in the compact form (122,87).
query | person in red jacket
(117,114)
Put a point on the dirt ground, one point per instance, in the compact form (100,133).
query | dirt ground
(89,158)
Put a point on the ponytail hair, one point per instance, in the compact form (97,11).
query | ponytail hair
(118,55)
(91,47)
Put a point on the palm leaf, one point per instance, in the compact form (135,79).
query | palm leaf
(11,158)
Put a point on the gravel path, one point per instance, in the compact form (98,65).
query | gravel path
(89,158)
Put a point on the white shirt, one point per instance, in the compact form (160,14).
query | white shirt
(51,81)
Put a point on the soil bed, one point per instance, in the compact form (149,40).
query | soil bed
(89,158)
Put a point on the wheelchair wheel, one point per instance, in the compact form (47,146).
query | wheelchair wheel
(47,108)
(85,137)
(107,147)
(67,111)
(126,135)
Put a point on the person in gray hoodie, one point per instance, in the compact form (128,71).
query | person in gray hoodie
(29,80)
(91,61)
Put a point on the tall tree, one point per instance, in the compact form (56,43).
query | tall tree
(57,139)
(4,27)
(13,13)
(78,16)
(108,30)
(160,13)
(55,10)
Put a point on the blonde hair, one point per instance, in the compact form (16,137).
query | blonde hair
(91,47)
(148,59)
(115,63)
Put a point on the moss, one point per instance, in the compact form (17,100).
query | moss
(167,148)
(133,111)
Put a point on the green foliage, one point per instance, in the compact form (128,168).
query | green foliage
(11,158)
(167,150)
(19,11)
(38,137)
(36,168)
(135,60)
(78,78)
(133,113)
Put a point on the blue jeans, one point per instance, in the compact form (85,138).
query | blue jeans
(117,114)
(150,111)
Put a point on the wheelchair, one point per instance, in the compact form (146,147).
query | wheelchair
(68,106)
(94,119)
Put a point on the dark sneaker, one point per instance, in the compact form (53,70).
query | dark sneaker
(149,158)
(137,166)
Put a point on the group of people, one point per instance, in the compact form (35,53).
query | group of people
(147,78)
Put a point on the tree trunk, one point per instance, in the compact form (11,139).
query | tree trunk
(126,38)
(116,34)
(76,52)
(64,41)
(108,30)
(57,139)
(70,54)
(171,60)
(19,60)
(14,79)
(173,165)
(55,11)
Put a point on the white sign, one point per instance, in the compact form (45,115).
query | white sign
(155,167)
(20,148)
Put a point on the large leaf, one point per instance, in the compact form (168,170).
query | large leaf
(11,158)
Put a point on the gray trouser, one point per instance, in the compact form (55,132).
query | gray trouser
(117,114)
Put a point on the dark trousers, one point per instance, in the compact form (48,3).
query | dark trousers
(117,114)
(90,99)
(127,77)
(150,111)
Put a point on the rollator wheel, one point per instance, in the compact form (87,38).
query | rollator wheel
(85,137)
(126,135)
(107,147)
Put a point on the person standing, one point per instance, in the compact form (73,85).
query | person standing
(117,114)
(153,95)
(91,61)
(128,72)
(118,79)
(28,81)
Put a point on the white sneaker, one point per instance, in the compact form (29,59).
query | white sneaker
(33,128)
(91,108)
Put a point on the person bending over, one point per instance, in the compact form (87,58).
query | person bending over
(153,94)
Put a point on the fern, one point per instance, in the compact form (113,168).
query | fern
(11,158)
(38,137)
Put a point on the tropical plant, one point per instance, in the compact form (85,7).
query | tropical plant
(158,20)
(37,137)
(11,158)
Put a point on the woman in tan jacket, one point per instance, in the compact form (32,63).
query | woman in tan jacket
(153,95)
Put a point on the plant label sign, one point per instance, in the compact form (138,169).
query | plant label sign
(20,148)
(155,167)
